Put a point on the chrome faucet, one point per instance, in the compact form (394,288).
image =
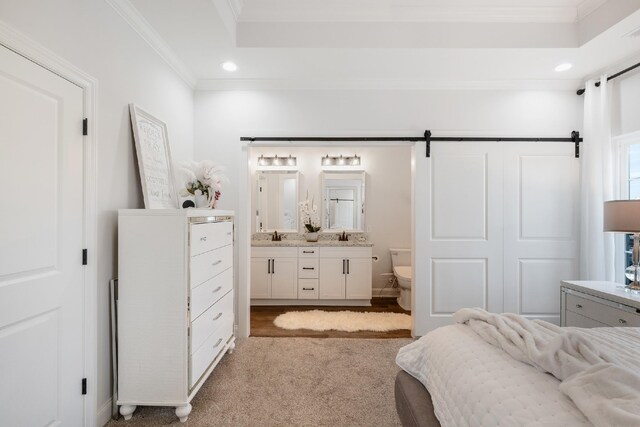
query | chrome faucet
(344,237)
(275,237)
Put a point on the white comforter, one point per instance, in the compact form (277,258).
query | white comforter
(475,377)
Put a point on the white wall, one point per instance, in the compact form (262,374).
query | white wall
(221,117)
(387,199)
(625,104)
(90,35)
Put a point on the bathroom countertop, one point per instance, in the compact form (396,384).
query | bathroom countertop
(296,243)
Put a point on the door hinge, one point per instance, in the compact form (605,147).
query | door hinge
(84,386)
(84,257)
(85,126)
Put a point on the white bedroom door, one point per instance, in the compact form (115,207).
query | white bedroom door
(463,264)
(41,235)
(541,184)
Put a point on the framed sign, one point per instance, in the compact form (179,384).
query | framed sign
(154,159)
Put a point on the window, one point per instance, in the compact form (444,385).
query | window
(629,149)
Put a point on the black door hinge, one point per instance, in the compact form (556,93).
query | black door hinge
(84,386)
(84,257)
(85,126)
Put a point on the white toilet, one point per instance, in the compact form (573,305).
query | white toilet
(401,262)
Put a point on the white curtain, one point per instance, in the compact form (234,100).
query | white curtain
(597,248)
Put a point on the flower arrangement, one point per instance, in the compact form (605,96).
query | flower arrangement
(309,215)
(203,180)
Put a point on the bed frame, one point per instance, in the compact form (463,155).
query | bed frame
(413,402)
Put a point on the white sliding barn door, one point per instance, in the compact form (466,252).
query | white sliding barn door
(463,265)
(41,235)
(541,185)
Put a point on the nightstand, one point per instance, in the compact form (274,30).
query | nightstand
(591,304)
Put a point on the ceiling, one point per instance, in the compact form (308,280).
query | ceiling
(389,44)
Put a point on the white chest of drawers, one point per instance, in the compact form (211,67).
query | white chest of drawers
(591,304)
(175,304)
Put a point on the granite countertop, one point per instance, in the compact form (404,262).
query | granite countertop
(297,243)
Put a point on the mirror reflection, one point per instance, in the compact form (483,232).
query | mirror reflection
(277,201)
(343,201)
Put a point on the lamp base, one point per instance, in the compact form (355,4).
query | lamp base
(633,286)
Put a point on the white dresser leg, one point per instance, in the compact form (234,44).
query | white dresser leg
(183,412)
(232,347)
(127,411)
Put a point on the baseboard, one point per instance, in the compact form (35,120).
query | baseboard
(318,302)
(104,413)
(385,292)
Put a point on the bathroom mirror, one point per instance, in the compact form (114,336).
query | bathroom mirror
(277,201)
(343,206)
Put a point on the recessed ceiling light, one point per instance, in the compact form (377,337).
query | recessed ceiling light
(563,67)
(229,66)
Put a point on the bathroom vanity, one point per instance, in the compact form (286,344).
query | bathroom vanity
(295,272)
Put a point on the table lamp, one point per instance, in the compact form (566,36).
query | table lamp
(623,216)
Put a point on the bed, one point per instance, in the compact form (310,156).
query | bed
(484,375)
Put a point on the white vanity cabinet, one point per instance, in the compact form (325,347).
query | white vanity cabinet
(175,304)
(274,273)
(345,273)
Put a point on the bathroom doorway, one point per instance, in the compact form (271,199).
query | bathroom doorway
(363,194)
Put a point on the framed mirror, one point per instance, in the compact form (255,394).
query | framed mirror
(343,201)
(277,201)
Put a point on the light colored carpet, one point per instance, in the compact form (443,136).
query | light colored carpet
(293,382)
(347,321)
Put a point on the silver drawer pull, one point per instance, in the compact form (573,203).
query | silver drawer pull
(578,306)
(308,268)
(622,321)
(308,289)
(203,239)
(308,252)
(216,289)
(217,317)
(218,343)
(217,262)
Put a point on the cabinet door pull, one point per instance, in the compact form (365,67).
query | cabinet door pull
(269,266)
(308,268)
(344,268)
(203,239)
(273,266)
(348,266)
(578,305)
(216,289)
(622,321)
(216,263)
(308,289)
(218,343)
(217,317)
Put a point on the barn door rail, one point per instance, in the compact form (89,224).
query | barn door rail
(574,138)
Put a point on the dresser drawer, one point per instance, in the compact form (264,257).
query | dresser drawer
(210,264)
(203,296)
(579,321)
(600,312)
(217,315)
(209,236)
(308,288)
(308,268)
(209,350)
(308,252)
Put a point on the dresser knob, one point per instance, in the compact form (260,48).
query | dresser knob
(217,317)
(622,321)
(217,262)
(203,239)
(578,306)
(216,289)
(218,343)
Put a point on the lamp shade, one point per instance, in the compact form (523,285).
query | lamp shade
(622,216)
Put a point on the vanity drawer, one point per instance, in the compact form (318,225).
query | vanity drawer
(209,350)
(308,268)
(308,252)
(217,315)
(209,236)
(602,313)
(205,295)
(209,264)
(308,289)
(579,321)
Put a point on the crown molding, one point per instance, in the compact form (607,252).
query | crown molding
(587,7)
(381,84)
(140,25)
(236,7)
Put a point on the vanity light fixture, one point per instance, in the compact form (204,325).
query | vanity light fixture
(277,161)
(340,160)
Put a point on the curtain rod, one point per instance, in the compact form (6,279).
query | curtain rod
(611,77)
(574,138)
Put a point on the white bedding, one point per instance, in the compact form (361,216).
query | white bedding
(485,374)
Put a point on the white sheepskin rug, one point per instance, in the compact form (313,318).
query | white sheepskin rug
(347,321)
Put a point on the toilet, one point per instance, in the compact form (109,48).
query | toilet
(401,262)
